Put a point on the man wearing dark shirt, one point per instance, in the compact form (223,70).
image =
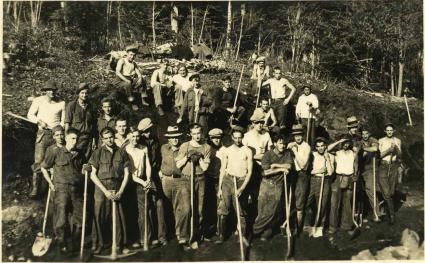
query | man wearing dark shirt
(176,191)
(106,119)
(110,171)
(66,163)
(224,104)
(275,164)
(79,114)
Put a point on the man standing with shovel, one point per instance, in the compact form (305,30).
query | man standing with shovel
(193,159)
(67,163)
(235,173)
(320,182)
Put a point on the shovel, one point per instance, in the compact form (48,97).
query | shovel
(42,242)
(114,255)
(193,244)
(83,228)
(374,189)
(318,231)
(239,221)
(145,234)
(288,226)
(356,230)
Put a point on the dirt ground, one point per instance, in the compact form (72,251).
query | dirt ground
(22,217)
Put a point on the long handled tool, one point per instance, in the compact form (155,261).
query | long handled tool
(145,234)
(239,221)
(237,94)
(21,118)
(42,242)
(114,253)
(408,112)
(288,214)
(83,228)
(259,92)
(318,231)
(356,230)
(308,127)
(193,243)
(374,188)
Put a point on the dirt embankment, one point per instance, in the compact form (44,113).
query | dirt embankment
(24,216)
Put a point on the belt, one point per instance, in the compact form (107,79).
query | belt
(387,162)
(318,175)
(270,182)
(173,175)
(347,175)
(237,177)
(279,99)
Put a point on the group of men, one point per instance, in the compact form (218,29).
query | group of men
(175,180)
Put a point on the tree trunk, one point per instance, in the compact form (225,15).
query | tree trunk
(211,41)
(259,40)
(8,6)
(400,78)
(17,8)
(229,29)
(35,11)
(240,33)
(203,23)
(174,18)
(119,24)
(153,25)
(392,80)
(192,26)
(313,57)
(65,14)
(108,20)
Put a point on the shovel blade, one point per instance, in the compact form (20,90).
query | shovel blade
(194,245)
(318,232)
(41,246)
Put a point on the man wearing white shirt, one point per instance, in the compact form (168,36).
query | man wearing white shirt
(279,95)
(390,150)
(306,109)
(46,111)
(301,150)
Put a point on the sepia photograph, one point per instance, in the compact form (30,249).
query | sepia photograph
(168,131)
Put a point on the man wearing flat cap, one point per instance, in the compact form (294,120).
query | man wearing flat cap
(302,151)
(196,104)
(260,73)
(129,77)
(79,114)
(47,111)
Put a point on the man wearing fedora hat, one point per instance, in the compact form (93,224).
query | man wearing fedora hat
(196,104)
(80,115)
(176,190)
(353,131)
(302,151)
(390,154)
(47,111)
(128,74)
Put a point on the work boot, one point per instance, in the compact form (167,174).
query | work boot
(160,111)
(34,185)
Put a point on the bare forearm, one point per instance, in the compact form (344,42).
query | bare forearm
(46,175)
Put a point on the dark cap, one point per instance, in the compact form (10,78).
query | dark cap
(194,76)
(134,48)
(50,85)
(82,86)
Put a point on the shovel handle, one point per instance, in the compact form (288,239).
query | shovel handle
(46,211)
(145,234)
(192,215)
(239,220)
(114,230)
(83,223)
(408,112)
(322,183)
(354,205)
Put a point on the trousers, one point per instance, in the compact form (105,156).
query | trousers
(340,200)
